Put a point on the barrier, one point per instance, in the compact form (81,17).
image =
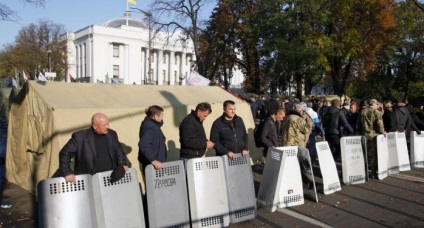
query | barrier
(398,151)
(382,157)
(66,205)
(207,192)
(308,179)
(330,176)
(352,160)
(417,149)
(240,188)
(281,184)
(393,156)
(118,204)
(167,199)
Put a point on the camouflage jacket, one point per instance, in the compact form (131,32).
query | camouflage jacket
(371,122)
(295,129)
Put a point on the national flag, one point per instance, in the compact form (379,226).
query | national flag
(72,78)
(41,77)
(134,2)
(24,76)
(197,79)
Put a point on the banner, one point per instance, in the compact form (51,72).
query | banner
(197,79)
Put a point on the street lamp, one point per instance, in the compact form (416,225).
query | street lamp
(49,51)
(149,17)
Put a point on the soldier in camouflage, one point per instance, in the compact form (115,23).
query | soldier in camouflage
(372,126)
(295,128)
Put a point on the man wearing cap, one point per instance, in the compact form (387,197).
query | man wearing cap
(372,126)
(295,128)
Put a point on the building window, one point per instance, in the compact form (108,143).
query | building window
(175,59)
(187,60)
(115,51)
(165,79)
(115,71)
(164,58)
(152,56)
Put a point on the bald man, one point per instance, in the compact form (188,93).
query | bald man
(96,149)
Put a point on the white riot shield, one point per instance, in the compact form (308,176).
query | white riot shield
(66,205)
(281,184)
(118,204)
(291,189)
(308,179)
(383,157)
(352,160)
(393,154)
(398,152)
(402,149)
(167,199)
(241,191)
(271,180)
(417,149)
(207,192)
(330,176)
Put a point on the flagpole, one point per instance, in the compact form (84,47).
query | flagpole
(126,13)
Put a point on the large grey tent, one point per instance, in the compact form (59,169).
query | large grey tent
(45,114)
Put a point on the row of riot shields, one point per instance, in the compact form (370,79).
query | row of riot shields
(204,192)
(288,175)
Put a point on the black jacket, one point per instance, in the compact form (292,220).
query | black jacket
(333,120)
(269,134)
(82,147)
(229,138)
(192,137)
(404,121)
(389,121)
(152,142)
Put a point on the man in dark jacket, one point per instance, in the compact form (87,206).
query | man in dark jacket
(269,134)
(151,146)
(96,149)
(192,134)
(229,133)
(333,120)
(404,122)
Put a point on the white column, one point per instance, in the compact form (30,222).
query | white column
(159,65)
(126,61)
(183,67)
(143,65)
(77,63)
(171,68)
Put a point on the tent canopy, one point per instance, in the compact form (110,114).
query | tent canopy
(45,114)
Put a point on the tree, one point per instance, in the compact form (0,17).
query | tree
(31,48)
(8,14)
(182,15)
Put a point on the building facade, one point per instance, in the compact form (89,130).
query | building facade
(118,52)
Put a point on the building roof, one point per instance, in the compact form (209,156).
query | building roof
(132,22)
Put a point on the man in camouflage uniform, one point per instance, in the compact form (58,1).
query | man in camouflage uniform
(372,126)
(295,128)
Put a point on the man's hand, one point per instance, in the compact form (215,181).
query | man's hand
(385,134)
(209,144)
(157,164)
(70,178)
(244,153)
(126,168)
(231,155)
(418,132)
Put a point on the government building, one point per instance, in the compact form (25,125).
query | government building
(118,52)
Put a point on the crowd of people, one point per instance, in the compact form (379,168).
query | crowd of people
(302,122)
(285,122)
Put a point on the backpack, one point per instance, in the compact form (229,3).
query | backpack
(257,132)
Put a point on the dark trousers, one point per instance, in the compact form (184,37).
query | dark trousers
(334,143)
